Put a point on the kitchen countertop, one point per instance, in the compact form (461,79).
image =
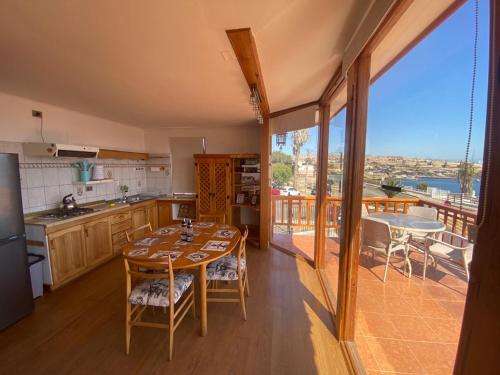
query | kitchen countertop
(34,219)
(100,208)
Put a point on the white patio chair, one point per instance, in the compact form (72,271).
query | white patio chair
(376,236)
(449,246)
(417,240)
(425,212)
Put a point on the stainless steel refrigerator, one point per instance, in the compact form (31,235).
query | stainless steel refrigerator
(16,298)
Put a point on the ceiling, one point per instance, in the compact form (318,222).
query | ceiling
(164,63)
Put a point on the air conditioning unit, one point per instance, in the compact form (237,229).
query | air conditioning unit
(59,150)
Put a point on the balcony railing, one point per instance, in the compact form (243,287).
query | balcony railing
(297,214)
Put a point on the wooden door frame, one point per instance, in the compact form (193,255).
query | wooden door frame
(479,337)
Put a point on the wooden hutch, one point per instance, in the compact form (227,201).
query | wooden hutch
(230,184)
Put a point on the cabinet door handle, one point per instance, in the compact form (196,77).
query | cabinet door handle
(86,232)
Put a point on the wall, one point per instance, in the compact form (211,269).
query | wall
(45,181)
(224,140)
(63,126)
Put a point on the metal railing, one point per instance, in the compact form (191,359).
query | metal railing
(298,214)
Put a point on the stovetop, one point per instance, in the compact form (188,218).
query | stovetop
(66,214)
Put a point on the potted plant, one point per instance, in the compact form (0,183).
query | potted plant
(84,167)
(124,190)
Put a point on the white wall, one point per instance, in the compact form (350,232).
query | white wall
(63,126)
(224,140)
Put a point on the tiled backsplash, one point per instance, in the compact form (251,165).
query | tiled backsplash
(45,181)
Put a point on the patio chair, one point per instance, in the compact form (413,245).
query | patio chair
(451,247)
(230,268)
(425,212)
(219,218)
(377,237)
(417,240)
(164,289)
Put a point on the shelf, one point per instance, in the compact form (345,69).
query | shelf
(256,208)
(93,182)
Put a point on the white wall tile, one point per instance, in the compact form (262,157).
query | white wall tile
(65,176)
(24,196)
(65,190)
(22,174)
(100,189)
(36,197)
(52,195)
(50,176)
(34,177)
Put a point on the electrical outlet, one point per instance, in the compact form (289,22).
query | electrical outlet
(89,188)
(36,113)
(79,191)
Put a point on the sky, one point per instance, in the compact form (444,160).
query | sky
(420,107)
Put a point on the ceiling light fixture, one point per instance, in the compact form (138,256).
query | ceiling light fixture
(281,140)
(255,102)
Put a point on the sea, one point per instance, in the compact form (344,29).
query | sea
(450,184)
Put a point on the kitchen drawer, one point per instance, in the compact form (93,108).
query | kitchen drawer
(119,238)
(120,217)
(121,226)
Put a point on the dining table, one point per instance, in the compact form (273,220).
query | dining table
(210,242)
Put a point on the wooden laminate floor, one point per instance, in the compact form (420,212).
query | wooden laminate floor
(79,329)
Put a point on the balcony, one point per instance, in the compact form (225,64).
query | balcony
(406,324)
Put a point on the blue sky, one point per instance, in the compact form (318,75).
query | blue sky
(420,107)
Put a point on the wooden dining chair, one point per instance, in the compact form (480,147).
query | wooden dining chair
(163,288)
(230,268)
(130,233)
(216,217)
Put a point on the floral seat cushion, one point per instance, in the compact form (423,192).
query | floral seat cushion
(156,292)
(225,268)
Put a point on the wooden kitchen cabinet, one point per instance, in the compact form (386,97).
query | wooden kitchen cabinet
(138,219)
(164,213)
(213,185)
(98,243)
(67,253)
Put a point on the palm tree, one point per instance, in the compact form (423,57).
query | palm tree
(466,172)
(299,139)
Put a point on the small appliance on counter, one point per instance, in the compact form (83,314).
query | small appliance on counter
(15,283)
(98,172)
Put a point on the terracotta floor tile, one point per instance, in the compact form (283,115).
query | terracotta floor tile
(428,308)
(412,328)
(377,325)
(406,325)
(394,355)
(445,330)
(366,355)
(433,357)
(456,309)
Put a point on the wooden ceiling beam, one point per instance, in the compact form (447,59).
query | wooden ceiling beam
(245,49)
(292,109)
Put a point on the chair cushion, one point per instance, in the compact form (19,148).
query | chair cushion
(156,292)
(225,268)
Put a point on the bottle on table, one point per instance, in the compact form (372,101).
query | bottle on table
(189,231)
(184,230)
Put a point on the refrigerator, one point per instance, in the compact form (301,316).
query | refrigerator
(16,298)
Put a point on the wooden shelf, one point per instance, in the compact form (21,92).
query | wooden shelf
(256,208)
(93,182)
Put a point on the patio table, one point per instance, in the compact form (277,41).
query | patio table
(409,223)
